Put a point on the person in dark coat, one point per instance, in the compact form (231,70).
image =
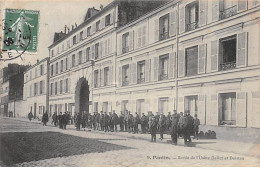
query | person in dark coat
(153,129)
(129,122)
(97,120)
(186,127)
(143,123)
(121,122)
(196,124)
(137,121)
(174,128)
(107,119)
(181,124)
(168,121)
(161,125)
(114,120)
(78,120)
(126,120)
(60,120)
(45,118)
(102,121)
(110,122)
(94,123)
(190,128)
(65,118)
(30,116)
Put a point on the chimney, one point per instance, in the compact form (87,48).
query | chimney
(65,29)
(101,7)
(37,60)
(68,29)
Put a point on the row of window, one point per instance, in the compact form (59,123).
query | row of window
(99,25)
(38,71)
(95,52)
(103,77)
(35,89)
(59,87)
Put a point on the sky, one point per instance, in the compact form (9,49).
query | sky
(54,15)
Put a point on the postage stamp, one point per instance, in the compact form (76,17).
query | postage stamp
(20,30)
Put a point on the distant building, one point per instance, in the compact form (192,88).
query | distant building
(35,94)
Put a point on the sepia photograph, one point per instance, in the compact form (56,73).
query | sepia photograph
(130,83)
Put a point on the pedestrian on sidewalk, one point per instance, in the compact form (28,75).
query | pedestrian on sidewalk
(168,121)
(60,121)
(45,118)
(174,128)
(30,116)
(143,123)
(121,122)
(78,120)
(196,126)
(115,120)
(161,125)
(153,129)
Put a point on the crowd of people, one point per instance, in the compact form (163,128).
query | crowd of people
(176,124)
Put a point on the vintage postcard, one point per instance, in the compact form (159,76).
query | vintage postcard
(130,83)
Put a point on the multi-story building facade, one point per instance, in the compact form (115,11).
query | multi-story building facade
(196,55)
(35,95)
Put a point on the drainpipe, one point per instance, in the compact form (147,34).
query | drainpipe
(176,60)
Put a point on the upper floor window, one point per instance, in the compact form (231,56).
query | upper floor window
(68,44)
(88,31)
(56,88)
(52,53)
(41,87)
(87,54)
(51,88)
(63,47)
(141,72)
(61,66)
(125,47)
(125,75)
(228,53)
(66,66)
(192,11)
(106,74)
(35,88)
(163,67)
(66,85)
(61,86)
(42,69)
(80,57)
(97,26)
(96,50)
(96,78)
(107,20)
(164,27)
(57,68)
(52,70)
(191,61)
(74,40)
(81,35)
(228,8)
(73,60)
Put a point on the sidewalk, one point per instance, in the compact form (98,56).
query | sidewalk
(248,149)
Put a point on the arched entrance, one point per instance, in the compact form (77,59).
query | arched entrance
(82,96)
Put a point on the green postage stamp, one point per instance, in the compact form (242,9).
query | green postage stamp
(20,30)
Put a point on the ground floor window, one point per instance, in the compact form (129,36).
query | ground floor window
(163,105)
(124,105)
(227,108)
(191,104)
(105,107)
(96,107)
(140,107)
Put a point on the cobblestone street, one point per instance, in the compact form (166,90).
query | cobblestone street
(113,149)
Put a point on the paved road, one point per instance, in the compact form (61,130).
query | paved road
(139,152)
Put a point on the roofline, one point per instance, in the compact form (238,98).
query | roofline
(46,58)
(84,23)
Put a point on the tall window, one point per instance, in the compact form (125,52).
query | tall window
(125,75)
(96,50)
(106,76)
(97,26)
(80,57)
(141,72)
(66,66)
(41,87)
(61,66)
(35,89)
(61,86)
(88,31)
(191,104)
(227,102)
(56,88)
(228,53)
(164,27)
(52,53)
(81,35)
(107,22)
(192,61)
(192,11)
(87,53)
(52,70)
(42,69)
(73,60)
(51,88)
(228,8)
(96,78)
(163,105)
(57,68)
(74,40)
(67,85)
(163,67)
(125,47)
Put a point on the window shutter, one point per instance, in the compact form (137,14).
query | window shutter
(147,70)
(241,49)
(112,18)
(131,40)
(171,64)
(255,118)
(134,73)
(212,117)
(202,108)
(110,76)
(139,41)
(120,76)
(182,20)
(215,10)
(202,58)
(109,46)
(241,5)
(144,36)
(156,68)
(202,12)
(156,30)
(120,44)
(214,55)
(173,24)
(93,52)
(241,109)
(181,63)
(102,77)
